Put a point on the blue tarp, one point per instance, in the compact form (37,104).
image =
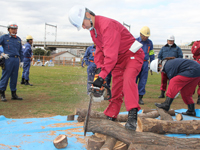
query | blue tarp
(39,133)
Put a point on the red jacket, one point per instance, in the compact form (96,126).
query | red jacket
(112,41)
(196,51)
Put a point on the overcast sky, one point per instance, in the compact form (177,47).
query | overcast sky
(164,17)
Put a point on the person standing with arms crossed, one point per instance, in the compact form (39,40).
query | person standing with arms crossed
(12,46)
(27,52)
(117,51)
(149,53)
(169,50)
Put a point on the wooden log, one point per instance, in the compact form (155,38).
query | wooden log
(60,141)
(94,143)
(120,118)
(171,111)
(113,129)
(151,147)
(70,117)
(120,146)
(109,143)
(160,126)
(164,115)
(179,117)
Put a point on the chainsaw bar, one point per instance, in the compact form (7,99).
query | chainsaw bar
(87,115)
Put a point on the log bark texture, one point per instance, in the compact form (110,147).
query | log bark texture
(161,127)
(164,115)
(119,132)
(70,117)
(120,118)
(171,111)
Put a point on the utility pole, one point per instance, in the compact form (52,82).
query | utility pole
(129,26)
(55,26)
(3,26)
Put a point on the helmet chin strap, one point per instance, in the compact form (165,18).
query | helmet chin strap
(92,27)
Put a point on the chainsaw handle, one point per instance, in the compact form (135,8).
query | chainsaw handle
(108,92)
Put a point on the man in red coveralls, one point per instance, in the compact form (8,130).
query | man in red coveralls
(116,51)
(196,55)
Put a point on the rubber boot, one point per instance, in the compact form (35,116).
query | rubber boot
(14,96)
(190,111)
(110,118)
(23,81)
(162,95)
(140,100)
(198,100)
(166,104)
(3,97)
(27,83)
(131,124)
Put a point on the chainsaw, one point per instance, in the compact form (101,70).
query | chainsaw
(97,95)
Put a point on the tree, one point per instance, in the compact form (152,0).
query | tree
(41,52)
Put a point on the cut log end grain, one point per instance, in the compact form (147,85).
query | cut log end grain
(179,117)
(94,143)
(60,141)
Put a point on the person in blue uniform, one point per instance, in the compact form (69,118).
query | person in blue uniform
(27,52)
(149,53)
(169,50)
(12,46)
(184,76)
(89,61)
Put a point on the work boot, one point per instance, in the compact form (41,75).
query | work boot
(110,118)
(15,97)
(190,111)
(162,95)
(166,104)
(23,81)
(198,100)
(132,119)
(140,100)
(3,97)
(27,83)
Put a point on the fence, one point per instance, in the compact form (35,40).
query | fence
(74,61)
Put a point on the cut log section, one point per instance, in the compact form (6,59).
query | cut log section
(171,112)
(109,143)
(60,141)
(70,117)
(94,143)
(164,115)
(160,126)
(179,117)
(120,146)
(113,129)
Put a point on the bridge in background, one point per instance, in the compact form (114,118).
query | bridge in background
(83,46)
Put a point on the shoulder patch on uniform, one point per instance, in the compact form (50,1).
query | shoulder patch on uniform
(7,40)
(19,41)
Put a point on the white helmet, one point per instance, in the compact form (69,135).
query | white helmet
(154,65)
(76,16)
(12,25)
(171,38)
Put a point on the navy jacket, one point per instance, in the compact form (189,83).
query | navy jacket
(170,51)
(183,67)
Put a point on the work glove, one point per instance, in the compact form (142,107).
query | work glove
(98,82)
(151,72)
(98,70)
(21,64)
(6,56)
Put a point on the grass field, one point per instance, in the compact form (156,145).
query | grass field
(59,90)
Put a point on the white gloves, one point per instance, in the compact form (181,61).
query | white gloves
(6,56)
(21,64)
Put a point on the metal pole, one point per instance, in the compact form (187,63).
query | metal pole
(129,26)
(3,26)
(56,33)
(45,36)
